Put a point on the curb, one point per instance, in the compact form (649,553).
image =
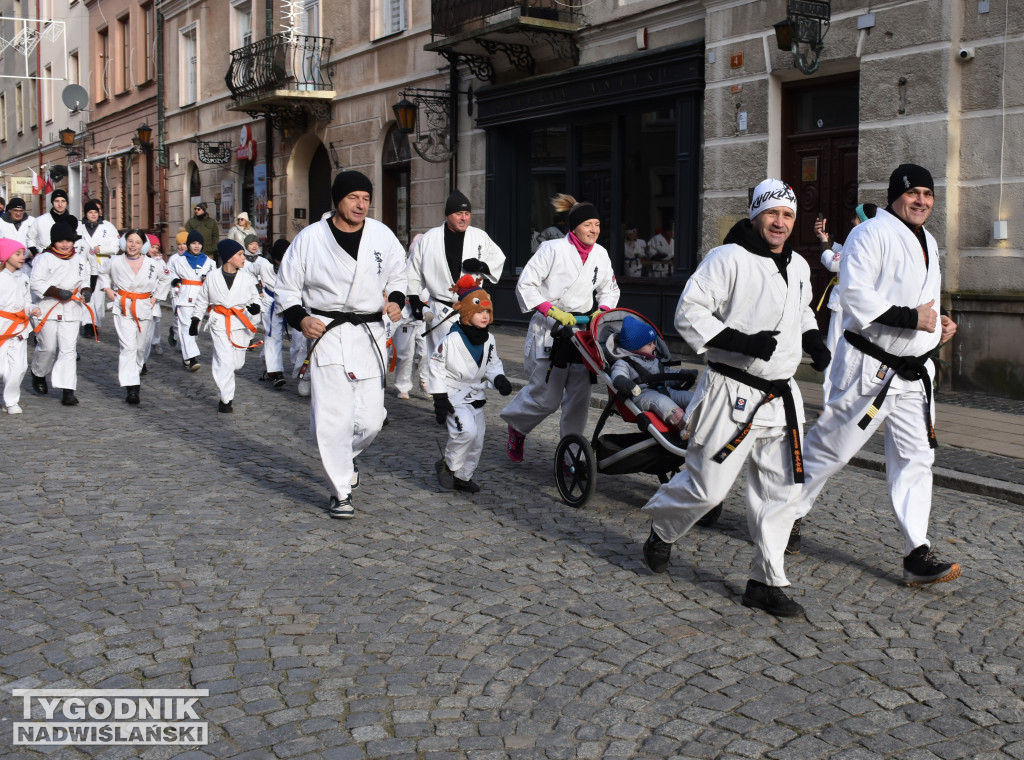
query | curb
(941,476)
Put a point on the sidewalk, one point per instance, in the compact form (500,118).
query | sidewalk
(981,438)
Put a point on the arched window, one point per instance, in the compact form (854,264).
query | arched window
(395,200)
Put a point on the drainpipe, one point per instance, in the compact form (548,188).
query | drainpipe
(161,156)
(39,111)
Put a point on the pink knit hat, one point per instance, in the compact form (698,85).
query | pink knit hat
(153,240)
(7,248)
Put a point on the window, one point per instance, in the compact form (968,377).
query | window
(74,68)
(3,117)
(241,17)
(149,35)
(188,66)
(33,93)
(124,44)
(19,109)
(48,94)
(103,70)
(388,17)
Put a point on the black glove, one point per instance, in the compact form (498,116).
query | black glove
(416,305)
(64,295)
(475,266)
(626,387)
(93,279)
(684,380)
(502,385)
(175,282)
(193,329)
(760,345)
(253,308)
(814,345)
(442,408)
(85,294)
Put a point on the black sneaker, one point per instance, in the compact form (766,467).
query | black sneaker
(445,477)
(133,394)
(657,553)
(466,485)
(87,331)
(143,371)
(68,399)
(771,599)
(39,385)
(341,509)
(277,378)
(193,364)
(710,518)
(793,544)
(170,337)
(920,567)
(224,407)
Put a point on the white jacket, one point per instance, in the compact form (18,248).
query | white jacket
(215,292)
(428,267)
(153,277)
(454,371)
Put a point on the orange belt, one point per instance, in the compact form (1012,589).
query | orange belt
(134,298)
(192,282)
(74,297)
(227,312)
(18,319)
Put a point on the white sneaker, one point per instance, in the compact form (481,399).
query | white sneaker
(423,387)
(403,394)
(14,409)
(158,349)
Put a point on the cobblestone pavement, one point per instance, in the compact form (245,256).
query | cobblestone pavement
(170,546)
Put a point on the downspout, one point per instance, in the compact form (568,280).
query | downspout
(453,126)
(270,138)
(161,156)
(39,112)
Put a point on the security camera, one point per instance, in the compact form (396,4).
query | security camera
(965,54)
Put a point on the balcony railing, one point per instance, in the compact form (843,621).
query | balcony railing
(451,17)
(280,62)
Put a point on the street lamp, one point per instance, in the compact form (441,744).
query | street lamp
(806,23)
(67,137)
(145,134)
(405,114)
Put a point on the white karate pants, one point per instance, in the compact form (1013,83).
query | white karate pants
(13,366)
(410,349)
(835,332)
(465,440)
(345,417)
(568,387)
(227,359)
(297,352)
(98,303)
(56,350)
(836,437)
(273,344)
(134,348)
(188,343)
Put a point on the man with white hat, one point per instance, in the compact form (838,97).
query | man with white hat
(889,288)
(747,306)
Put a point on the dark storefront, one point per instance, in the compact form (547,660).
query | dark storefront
(622,134)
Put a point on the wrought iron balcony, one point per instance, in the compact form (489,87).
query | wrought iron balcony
(282,75)
(473,31)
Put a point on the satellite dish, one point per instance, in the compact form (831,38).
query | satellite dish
(75,97)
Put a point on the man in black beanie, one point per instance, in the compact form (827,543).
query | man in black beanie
(340,269)
(442,256)
(889,290)
(16,224)
(58,213)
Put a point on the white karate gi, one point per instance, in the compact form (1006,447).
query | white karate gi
(347,366)
(57,340)
(733,287)
(454,371)
(133,317)
(184,301)
(882,265)
(15,299)
(99,247)
(557,274)
(229,332)
(411,347)
(428,270)
(830,259)
(662,253)
(634,252)
(274,323)
(24,233)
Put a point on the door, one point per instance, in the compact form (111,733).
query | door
(820,162)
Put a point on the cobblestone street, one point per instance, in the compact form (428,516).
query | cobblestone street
(170,546)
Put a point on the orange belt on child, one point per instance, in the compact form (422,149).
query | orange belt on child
(18,319)
(197,283)
(134,298)
(74,297)
(227,312)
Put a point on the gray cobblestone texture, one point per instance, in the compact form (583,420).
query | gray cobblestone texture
(169,546)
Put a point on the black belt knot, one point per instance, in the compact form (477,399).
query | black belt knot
(349,317)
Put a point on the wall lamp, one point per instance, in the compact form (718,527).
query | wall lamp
(435,139)
(806,23)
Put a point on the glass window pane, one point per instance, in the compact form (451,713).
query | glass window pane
(648,194)
(547,178)
(827,109)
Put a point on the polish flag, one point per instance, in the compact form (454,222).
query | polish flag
(48,184)
(37,185)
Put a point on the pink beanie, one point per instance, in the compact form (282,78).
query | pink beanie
(7,248)
(154,241)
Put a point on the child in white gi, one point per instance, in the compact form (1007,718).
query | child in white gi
(15,308)
(462,366)
(273,318)
(154,344)
(181,248)
(636,345)
(228,296)
(188,271)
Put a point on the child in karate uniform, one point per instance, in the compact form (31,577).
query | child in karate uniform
(15,309)
(231,298)
(462,366)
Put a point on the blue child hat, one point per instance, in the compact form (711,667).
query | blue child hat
(635,334)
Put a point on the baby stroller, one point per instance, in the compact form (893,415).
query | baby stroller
(652,449)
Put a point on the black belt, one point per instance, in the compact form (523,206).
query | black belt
(449,304)
(907,367)
(772,389)
(349,317)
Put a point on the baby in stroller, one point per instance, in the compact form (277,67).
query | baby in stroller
(639,372)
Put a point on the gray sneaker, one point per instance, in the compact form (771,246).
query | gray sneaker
(445,477)
(341,509)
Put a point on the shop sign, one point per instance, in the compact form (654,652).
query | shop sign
(246,145)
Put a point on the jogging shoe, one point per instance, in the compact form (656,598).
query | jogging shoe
(225,407)
(158,349)
(341,509)
(13,409)
(277,379)
(68,399)
(657,553)
(771,599)
(144,370)
(445,477)
(171,340)
(793,544)
(469,486)
(711,517)
(132,397)
(354,480)
(516,444)
(39,385)
(193,364)
(920,567)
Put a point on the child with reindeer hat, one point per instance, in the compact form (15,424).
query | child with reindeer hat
(462,367)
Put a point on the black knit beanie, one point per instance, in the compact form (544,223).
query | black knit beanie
(350,182)
(908,176)
(457,202)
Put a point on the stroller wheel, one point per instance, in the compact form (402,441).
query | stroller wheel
(575,470)
(711,517)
